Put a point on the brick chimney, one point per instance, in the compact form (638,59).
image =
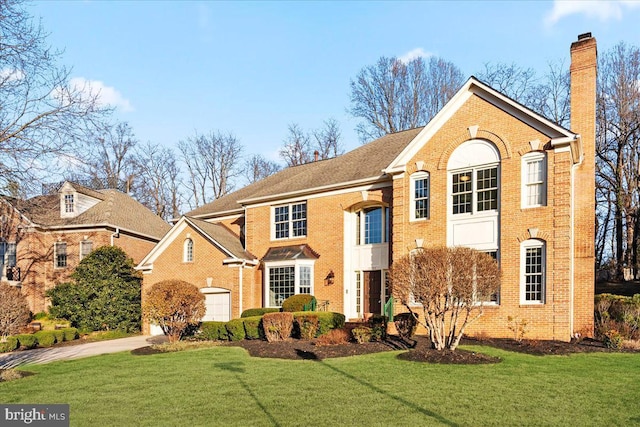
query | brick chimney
(584,59)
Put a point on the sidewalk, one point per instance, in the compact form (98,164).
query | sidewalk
(46,355)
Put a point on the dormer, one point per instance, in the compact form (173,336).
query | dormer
(74,202)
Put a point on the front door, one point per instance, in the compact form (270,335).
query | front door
(373,292)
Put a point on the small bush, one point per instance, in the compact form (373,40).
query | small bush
(45,338)
(406,325)
(277,326)
(10,374)
(305,325)
(213,331)
(297,302)
(70,334)
(259,311)
(235,328)
(613,339)
(253,327)
(378,325)
(334,337)
(59,334)
(27,341)
(40,315)
(361,334)
(9,345)
(328,320)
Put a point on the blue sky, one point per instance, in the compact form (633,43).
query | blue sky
(252,68)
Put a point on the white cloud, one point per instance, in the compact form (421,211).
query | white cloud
(7,74)
(605,10)
(106,95)
(413,54)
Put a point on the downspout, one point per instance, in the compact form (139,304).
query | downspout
(116,235)
(244,262)
(572,251)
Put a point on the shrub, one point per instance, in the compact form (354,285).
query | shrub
(334,337)
(378,325)
(253,327)
(59,334)
(297,302)
(328,320)
(10,375)
(10,344)
(613,339)
(40,315)
(27,341)
(259,311)
(45,338)
(14,310)
(406,325)
(174,305)
(305,325)
(104,293)
(70,334)
(277,326)
(361,334)
(235,328)
(213,331)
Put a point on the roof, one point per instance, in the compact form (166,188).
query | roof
(223,237)
(114,209)
(293,252)
(364,163)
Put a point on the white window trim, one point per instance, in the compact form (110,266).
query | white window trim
(290,205)
(417,177)
(386,225)
(55,255)
(474,191)
(72,204)
(532,243)
(526,159)
(289,263)
(81,256)
(185,250)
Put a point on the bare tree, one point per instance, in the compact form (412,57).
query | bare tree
(617,147)
(450,285)
(257,168)
(297,147)
(327,140)
(14,311)
(157,180)
(110,158)
(212,163)
(391,95)
(43,117)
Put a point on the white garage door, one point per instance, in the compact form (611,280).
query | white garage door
(218,306)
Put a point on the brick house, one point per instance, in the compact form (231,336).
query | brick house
(42,239)
(486,173)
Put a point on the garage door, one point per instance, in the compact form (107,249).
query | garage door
(218,306)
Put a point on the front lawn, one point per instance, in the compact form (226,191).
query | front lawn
(223,386)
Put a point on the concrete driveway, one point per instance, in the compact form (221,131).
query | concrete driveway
(46,355)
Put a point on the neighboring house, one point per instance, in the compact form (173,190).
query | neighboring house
(486,173)
(43,239)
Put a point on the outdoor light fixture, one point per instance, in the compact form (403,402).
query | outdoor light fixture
(330,277)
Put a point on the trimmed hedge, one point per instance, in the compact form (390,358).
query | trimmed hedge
(45,338)
(328,320)
(277,326)
(251,312)
(253,328)
(213,331)
(297,302)
(305,325)
(59,334)
(9,345)
(235,328)
(70,334)
(27,341)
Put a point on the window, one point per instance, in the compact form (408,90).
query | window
(86,247)
(290,220)
(534,176)
(372,226)
(495,297)
(188,251)
(420,196)
(358,292)
(8,254)
(68,203)
(287,280)
(60,255)
(476,188)
(533,260)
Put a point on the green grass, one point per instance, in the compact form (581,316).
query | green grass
(223,386)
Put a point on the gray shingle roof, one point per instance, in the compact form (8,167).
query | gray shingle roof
(365,162)
(115,208)
(223,236)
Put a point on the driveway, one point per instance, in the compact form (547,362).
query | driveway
(76,351)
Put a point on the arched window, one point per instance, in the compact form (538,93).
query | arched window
(188,251)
